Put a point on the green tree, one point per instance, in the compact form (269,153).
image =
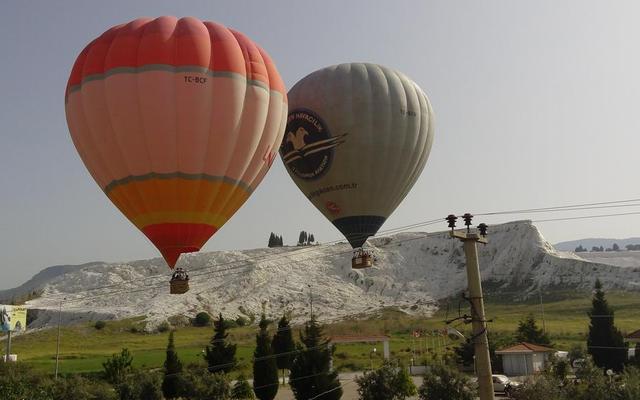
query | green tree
(117,367)
(386,383)
(220,355)
(311,238)
(202,319)
(310,372)
(604,342)
(444,383)
(283,346)
(265,370)
(272,240)
(242,390)
(529,332)
(465,351)
(173,381)
(202,385)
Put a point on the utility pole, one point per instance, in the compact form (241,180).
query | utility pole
(544,327)
(58,341)
(311,299)
(478,320)
(6,359)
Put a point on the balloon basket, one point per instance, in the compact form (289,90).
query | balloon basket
(179,282)
(178,287)
(361,259)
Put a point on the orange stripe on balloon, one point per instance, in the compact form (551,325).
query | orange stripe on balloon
(178,200)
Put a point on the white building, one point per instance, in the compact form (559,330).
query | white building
(524,358)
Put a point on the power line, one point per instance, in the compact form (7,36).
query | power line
(587,217)
(559,208)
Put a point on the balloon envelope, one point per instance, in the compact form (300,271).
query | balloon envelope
(177,120)
(357,138)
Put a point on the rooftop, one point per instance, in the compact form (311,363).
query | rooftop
(524,347)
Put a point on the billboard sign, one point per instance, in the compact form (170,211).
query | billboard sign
(13,318)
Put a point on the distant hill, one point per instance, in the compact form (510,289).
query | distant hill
(590,242)
(411,272)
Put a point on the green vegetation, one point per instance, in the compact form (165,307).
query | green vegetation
(446,383)
(84,349)
(529,332)
(202,319)
(310,371)
(265,369)
(172,384)
(221,355)
(390,382)
(283,345)
(605,342)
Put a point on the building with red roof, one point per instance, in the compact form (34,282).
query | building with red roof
(524,358)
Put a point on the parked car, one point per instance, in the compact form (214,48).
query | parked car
(503,384)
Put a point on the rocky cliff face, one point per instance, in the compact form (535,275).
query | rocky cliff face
(412,271)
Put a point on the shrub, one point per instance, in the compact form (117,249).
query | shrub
(117,367)
(202,385)
(241,321)
(387,383)
(18,382)
(140,386)
(99,325)
(163,327)
(242,390)
(445,383)
(202,319)
(75,387)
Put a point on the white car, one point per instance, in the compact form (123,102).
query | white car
(503,384)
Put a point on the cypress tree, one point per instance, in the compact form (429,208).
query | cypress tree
(171,384)
(220,356)
(310,372)
(265,370)
(605,342)
(283,346)
(272,239)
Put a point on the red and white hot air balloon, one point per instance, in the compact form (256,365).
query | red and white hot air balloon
(178,121)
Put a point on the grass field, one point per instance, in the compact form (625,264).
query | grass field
(84,348)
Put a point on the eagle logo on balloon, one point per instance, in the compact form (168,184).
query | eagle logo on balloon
(307,148)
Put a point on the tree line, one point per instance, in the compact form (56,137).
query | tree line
(304,239)
(614,247)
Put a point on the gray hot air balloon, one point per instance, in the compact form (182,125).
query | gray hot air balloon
(357,138)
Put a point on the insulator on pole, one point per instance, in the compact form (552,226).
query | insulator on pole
(451,220)
(483,229)
(467,220)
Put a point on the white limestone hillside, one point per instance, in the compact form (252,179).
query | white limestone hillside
(412,271)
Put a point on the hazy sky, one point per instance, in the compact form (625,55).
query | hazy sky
(536,105)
